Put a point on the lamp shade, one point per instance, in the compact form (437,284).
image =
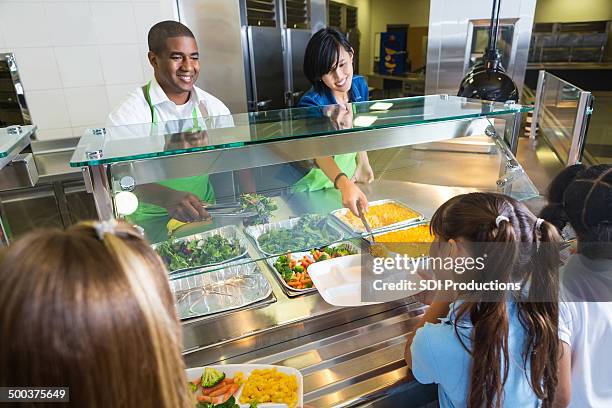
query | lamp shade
(489,81)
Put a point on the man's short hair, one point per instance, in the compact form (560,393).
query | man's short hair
(160,32)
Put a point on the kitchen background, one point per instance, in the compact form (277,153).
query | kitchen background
(78,58)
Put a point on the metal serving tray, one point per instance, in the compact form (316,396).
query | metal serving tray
(337,214)
(256,231)
(229,232)
(221,290)
(291,292)
(368,238)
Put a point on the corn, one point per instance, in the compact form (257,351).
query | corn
(380,216)
(413,241)
(270,385)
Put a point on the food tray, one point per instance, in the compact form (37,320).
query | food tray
(256,231)
(230,371)
(390,253)
(289,291)
(232,287)
(337,214)
(229,232)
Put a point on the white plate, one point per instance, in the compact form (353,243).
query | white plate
(231,369)
(338,280)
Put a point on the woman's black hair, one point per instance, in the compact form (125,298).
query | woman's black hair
(582,197)
(322,55)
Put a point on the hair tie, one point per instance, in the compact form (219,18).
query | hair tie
(538,224)
(105,227)
(501,218)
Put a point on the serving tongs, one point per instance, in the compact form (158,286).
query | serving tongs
(229,210)
(376,249)
(365,222)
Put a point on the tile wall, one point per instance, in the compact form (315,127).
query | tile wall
(78,58)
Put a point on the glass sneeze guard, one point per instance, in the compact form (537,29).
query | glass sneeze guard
(167,177)
(13,135)
(142,141)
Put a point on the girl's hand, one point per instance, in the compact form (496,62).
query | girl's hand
(352,196)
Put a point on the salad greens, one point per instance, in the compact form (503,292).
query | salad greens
(180,254)
(311,231)
(260,204)
(230,403)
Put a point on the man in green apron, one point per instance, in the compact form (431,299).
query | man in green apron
(172,96)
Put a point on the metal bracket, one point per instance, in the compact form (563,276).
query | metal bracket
(14,130)
(87,179)
(98,131)
(94,154)
(490,131)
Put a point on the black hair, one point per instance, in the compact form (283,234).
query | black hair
(582,197)
(322,55)
(160,32)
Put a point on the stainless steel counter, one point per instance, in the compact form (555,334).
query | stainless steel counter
(348,356)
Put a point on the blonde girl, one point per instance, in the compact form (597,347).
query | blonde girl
(90,308)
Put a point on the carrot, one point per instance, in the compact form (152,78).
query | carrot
(230,392)
(208,398)
(229,381)
(209,390)
(220,391)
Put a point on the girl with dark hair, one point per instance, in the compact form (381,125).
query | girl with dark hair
(328,65)
(496,348)
(581,198)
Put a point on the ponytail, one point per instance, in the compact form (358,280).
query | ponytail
(539,314)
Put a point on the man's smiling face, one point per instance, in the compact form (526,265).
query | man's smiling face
(177,67)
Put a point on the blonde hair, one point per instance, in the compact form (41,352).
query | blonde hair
(93,313)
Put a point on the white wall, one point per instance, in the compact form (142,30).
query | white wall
(78,58)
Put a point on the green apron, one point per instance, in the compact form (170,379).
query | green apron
(315,179)
(197,185)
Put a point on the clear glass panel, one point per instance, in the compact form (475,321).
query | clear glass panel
(598,148)
(305,211)
(12,136)
(557,115)
(142,141)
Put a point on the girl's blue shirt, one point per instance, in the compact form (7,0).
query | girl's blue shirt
(438,357)
(358,93)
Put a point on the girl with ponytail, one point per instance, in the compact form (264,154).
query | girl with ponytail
(580,197)
(497,348)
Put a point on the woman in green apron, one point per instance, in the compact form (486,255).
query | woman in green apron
(328,65)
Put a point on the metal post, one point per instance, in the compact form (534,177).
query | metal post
(512,131)
(537,104)
(580,127)
(101,192)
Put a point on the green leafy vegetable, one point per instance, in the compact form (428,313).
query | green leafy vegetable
(180,254)
(311,231)
(260,204)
